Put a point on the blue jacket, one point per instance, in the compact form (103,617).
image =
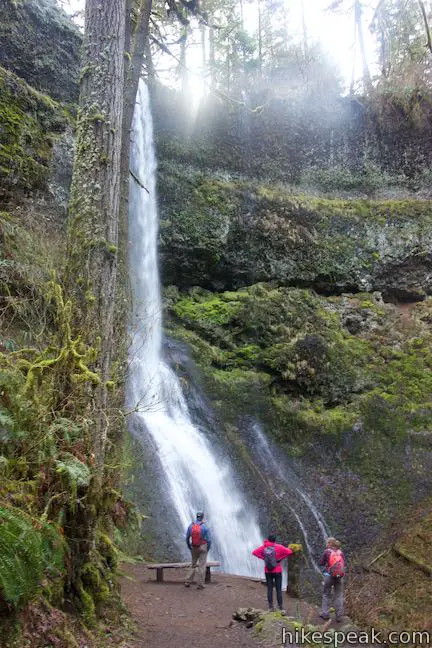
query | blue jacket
(205,534)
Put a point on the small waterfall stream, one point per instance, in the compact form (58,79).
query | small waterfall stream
(195,478)
(284,485)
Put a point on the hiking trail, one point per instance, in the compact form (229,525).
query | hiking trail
(168,615)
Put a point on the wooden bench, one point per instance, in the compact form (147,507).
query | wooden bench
(160,567)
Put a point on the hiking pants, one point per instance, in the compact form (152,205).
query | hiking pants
(199,563)
(277,580)
(336,584)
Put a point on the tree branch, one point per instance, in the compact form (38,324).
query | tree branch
(426,23)
(138,181)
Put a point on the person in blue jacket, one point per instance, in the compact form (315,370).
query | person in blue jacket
(198,540)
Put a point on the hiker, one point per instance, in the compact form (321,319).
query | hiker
(273,554)
(198,541)
(333,561)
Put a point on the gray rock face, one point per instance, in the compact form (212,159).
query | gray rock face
(41,44)
(224,235)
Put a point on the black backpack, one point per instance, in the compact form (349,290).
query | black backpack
(270,558)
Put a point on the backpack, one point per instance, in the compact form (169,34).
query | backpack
(196,536)
(270,558)
(336,564)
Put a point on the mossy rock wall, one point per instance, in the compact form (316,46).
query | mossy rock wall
(30,123)
(341,384)
(221,234)
(40,43)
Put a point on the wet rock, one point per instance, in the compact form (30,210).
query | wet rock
(247,615)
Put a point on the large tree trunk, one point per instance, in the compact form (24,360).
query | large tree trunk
(97,220)
(94,204)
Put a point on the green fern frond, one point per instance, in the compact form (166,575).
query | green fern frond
(28,551)
(75,470)
(66,429)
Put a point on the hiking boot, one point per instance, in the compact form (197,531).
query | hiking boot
(187,584)
(282,611)
(326,618)
(271,608)
(200,586)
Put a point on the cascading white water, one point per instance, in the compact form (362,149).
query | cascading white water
(302,510)
(194,479)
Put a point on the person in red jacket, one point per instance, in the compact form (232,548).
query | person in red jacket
(273,554)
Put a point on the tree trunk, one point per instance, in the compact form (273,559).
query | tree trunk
(212,58)
(260,61)
(305,35)
(137,26)
(354,57)
(358,18)
(203,50)
(137,49)
(183,70)
(426,25)
(91,270)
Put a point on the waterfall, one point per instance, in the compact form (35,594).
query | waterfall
(195,477)
(310,521)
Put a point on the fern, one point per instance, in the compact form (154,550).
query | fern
(76,472)
(5,419)
(9,429)
(66,429)
(28,551)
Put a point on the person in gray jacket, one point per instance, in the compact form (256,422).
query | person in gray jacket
(333,562)
(198,540)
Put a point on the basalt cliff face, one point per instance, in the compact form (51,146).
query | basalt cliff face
(295,251)
(41,45)
(225,234)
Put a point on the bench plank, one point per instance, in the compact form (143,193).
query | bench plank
(210,563)
(161,566)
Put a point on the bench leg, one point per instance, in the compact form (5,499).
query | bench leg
(159,574)
(208,575)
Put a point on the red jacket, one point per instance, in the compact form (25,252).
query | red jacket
(280,551)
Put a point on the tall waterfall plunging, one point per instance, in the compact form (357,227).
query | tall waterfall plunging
(194,478)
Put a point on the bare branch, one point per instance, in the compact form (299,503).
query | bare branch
(426,23)
(138,181)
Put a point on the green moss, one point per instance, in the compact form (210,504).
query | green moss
(213,311)
(283,355)
(87,605)
(30,121)
(107,551)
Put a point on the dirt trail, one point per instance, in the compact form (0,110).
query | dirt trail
(169,615)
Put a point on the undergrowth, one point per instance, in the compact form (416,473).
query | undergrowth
(46,461)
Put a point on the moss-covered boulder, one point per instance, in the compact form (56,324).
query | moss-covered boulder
(41,44)
(223,234)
